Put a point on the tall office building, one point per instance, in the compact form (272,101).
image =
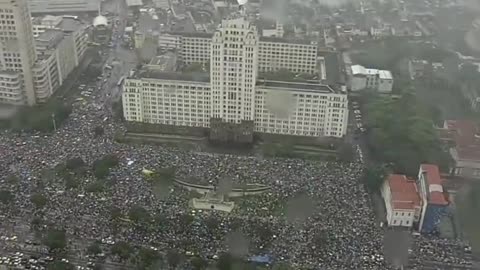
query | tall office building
(234,70)
(17,53)
(232,101)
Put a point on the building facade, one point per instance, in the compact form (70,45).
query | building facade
(59,53)
(17,53)
(63,6)
(463,140)
(434,202)
(402,201)
(299,56)
(230,101)
(367,78)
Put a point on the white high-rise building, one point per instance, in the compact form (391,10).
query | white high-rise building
(233,71)
(231,101)
(17,53)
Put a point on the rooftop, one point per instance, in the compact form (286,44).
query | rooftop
(360,70)
(404,192)
(286,40)
(49,39)
(434,182)
(465,135)
(166,62)
(70,25)
(174,76)
(314,87)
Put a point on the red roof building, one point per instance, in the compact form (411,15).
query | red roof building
(465,151)
(402,200)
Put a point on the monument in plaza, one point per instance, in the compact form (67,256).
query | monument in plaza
(213,200)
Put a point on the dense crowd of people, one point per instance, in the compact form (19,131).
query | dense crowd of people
(316,215)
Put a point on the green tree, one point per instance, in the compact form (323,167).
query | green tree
(71,182)
(94,248)
(60,265)
(101,167)
(139,214)
(12,179)
(147,258)
(373,178)
(95,187)
(75,163)
(6,196)
(225,261)
(199,263)
(55,239)
(173,258)
(122,249)
(36,223)
(39,200)
(401,133)
(115,213)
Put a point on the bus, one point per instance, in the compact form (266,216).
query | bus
(120,82)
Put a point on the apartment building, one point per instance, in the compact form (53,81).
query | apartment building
(368,78)
(230,100)
(17,53)
(299,56)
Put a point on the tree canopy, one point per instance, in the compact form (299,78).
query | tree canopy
(401,133)
(122,249)
(139,214)
(147,258)
(173,258)
(75,163)
(6,196)
(55,239)
(101,167)
(60,265)
(94,248)
(373,178)
(39,200)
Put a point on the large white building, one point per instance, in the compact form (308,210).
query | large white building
(17,53)
(60,50)
(368,78)
(299,56)
(231,95)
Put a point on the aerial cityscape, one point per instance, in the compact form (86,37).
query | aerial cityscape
(239,134)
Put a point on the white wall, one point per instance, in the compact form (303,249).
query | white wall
(170,102)
(385,85)
(358,83)
(307,114)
